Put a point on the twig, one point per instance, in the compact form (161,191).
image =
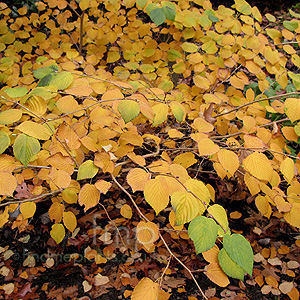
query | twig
(32,199)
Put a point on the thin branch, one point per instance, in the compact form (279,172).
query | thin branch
(255,101)
(32,199)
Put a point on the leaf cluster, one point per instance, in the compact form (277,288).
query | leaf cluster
(87,83)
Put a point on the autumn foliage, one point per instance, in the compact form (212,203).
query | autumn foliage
(139,94)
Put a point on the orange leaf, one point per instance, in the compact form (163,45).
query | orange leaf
(88,196)
(8,183)
(137,179)
(214,272)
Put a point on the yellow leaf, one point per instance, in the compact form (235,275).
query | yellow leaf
(80,91)
(89,143)
(172,218)
(60,178)
(287,168)
(281,204)
(189,47)
(126,211)
(69,196)
(67,104)
(103,186)
(28,209)
(202,126)
(179,172)
(35,130)
(10,116)
(56,212)
(252,141)
(220,215)
(69,220)
(160,111)
(271,56)
(138,159)
(199,189)
(258,165)
(88,196)
(292,108)
(207,147)
(252,184)
(201,82)
(243,7)
(103,161)
(58,232)
(229,160)
(145,290)
(87,170)
(263,206)
(186,207)
(292,217)
(137,179)
(174,133)
(4,217)
(214,272)
(186,159)
(8,183)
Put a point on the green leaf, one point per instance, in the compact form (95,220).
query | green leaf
(169,13)
(240,251)
(45,80)
(150,7)
(173,55)
(211,15)
(296,79)
(4,141)
(141,3)
(62,80)
(229,266)
(177,111)
(158,16)
(290,25)
(203,232)
(16,92)
(129,110)
(87,170)
(294,14)
(25,147)
(42,72)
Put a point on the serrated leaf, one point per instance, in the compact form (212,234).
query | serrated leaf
(220,215)
(25,147)
(203,232)
(258,165)
(146,289)
(10,116)
(4,141)
(137,179)
(69,220)
(58,232)
(199,189)
(229,266)
(87,170)
(292,217)
(129,110)
(88,196)
(158,16)
(34,130)
(240,251)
